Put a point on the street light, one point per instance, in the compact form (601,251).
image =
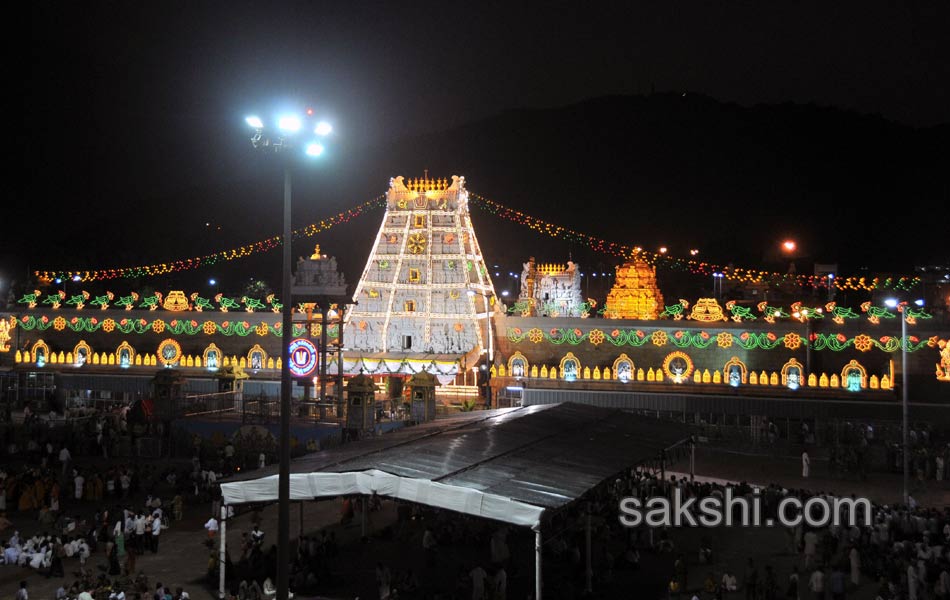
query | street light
(893,303)
(717,278)
(283,141)
(490,360)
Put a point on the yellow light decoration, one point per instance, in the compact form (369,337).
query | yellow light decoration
(635,293)
(707,310)
(169,352)
(6,326)
(176,301)
(677,366)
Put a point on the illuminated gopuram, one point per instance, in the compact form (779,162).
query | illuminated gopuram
(422,301)
(635,294)
(551,290)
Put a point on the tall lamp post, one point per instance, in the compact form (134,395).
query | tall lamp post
(284,142)
(491,347)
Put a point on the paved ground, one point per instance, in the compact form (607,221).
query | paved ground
(182,559)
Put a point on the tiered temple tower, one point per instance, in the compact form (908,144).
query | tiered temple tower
(551,290)
(635,294)
(425,290)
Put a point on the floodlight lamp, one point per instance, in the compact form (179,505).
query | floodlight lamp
(77,278)
(314,149)
(289,123)
(919,302)
(890,303)
(323,128)
(255,122)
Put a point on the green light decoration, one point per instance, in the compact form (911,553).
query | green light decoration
(876,313)
(383,265)
(152,302)
(697,339)
(747,340)
(676,311)
(740,313)
(78,301)
(253,303)
(102,302)
(201,304)
(140,326)
(521,307)
(227,304)
(752,340)
(770,313)
(127,302)
(840,313)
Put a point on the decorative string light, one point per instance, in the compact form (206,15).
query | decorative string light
(207,260)
(747,340)
(696,267)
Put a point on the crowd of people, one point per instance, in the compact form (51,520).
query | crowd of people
(904,553)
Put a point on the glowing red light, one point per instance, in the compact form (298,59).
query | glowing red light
(309,112)
(789,245)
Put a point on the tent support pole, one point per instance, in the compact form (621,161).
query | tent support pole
(222,553)
(537,562)
(363,516)
(589,572)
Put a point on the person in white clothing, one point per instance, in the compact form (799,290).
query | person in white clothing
(478,576)
(806,465)
(79,482)
(212,527)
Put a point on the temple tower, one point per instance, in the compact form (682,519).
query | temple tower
(425,289)
(635,294)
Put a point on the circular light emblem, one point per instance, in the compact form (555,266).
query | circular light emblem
(303,357)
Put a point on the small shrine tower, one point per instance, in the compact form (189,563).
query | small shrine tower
(635,294)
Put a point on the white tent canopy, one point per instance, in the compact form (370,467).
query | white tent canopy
(506,464)
(307,486)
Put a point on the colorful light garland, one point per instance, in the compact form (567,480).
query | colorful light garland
(187,264)
(240,328)
(737,274)
(747,340)
(695,267)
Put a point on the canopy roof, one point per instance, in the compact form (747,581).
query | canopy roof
(508,464)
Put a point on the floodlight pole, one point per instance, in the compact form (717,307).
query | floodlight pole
(904,407)
(283,482)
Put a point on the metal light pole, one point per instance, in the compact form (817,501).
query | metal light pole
(282,144)
(904,406)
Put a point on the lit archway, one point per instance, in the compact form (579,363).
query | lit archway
(256,357)
(735,372)
(125,355)
(623,368)
(518,365)
(39,353)
(854,377)
(82,353)
(793,374)
(570,367)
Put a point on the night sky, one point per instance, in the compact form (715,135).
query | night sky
(134,111)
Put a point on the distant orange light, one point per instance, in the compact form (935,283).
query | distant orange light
(662,249)
(788,245)
(309,112)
